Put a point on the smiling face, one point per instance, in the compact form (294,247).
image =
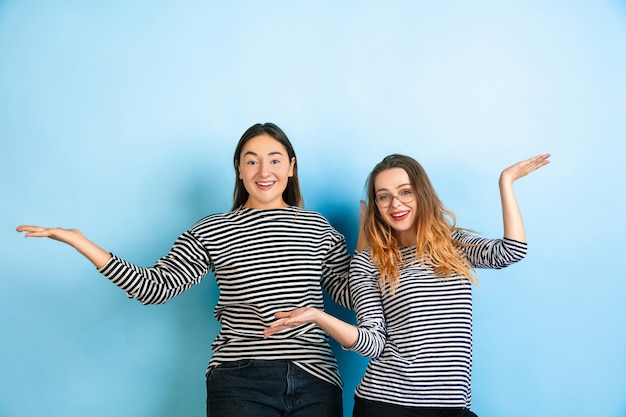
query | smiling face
(264,168)
(391,186)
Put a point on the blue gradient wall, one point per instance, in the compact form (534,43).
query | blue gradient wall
(120,119)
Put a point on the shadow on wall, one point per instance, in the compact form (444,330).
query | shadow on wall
(345,218)
(193,310)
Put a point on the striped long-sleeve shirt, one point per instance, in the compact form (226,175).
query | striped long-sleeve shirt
(419,338)
(264,261)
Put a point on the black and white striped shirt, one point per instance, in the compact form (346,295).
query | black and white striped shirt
(420,338)
(264,261)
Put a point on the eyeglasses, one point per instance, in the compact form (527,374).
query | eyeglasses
(404,196)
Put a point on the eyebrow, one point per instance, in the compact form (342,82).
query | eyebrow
(269,154)
(399,186)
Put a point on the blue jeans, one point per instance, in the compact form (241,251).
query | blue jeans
(269,388)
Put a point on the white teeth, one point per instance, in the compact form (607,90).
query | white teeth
(265,184)
(399,214)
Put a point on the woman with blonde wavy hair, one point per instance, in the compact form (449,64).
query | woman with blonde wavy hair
(412,292)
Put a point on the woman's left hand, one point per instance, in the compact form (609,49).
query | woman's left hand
(291,319)
(523,168)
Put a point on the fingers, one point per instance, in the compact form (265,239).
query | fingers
(535,163)
(287,320)
(523,168)
(538,161)
(285,323)
(56,233)
(281,324)
(268,332)
(276,327)
(24,228)
(32,231)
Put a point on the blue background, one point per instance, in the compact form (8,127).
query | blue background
(120,118)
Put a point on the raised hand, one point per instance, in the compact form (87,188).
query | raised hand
(511,215)
(73,237)
(523,168)
(56,233)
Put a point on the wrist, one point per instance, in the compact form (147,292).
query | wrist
(320,318)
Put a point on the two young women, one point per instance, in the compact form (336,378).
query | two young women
(271,258)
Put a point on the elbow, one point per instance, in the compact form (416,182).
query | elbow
(147,299)
(370,344)
(513,252)
(149,295)
(150,301)
(378,348)
(375,353)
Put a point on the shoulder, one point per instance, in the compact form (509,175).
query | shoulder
(308,217)
(362,269)
(313,220)
(362,260)
(214,218)
(214,221)
(309,214)
(465,236)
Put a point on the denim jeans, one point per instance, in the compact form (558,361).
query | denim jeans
(269,388)
(367,408)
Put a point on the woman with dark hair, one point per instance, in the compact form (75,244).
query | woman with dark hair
(412,292)
(268,254)
(291,193)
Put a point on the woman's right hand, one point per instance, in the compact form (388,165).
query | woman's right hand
(73,237)
(56,233)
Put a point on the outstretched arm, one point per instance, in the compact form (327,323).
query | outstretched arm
(344,333)
(511,216)
(98,256)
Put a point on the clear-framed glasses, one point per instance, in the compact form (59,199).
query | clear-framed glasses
(404,196)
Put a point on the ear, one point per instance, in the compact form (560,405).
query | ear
(291,165)
(238,170)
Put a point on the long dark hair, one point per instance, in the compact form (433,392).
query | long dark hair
(291,195)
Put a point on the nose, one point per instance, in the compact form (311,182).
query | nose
(264,169)
(395,201)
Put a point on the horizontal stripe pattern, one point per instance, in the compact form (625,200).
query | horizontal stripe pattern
(420,338)
(264,261)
